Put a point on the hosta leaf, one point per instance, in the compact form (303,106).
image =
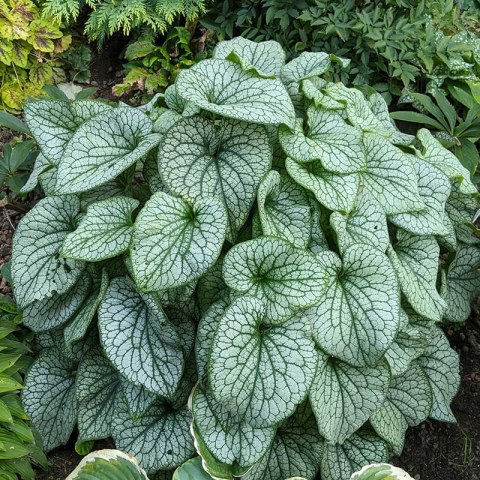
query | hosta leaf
(54,122)
(334,191)
(441,364)
(329,139)
(263,372)
(224,88)
(433,152)
(160,439)
(49,397)
(229,438)
(174,242)
(415,259)
(104,147)
(191,470)
(104,232)
(462,282)
(365,223)
(264,59)
(138,338)
(408,403)
(200,159)
(37,270)
(306,65)
(286,278)
(340,461)
(97,387)
(381,471)
(358,315)
(284,209)
(137,397)
(343,397)
(434,189)
(53,312)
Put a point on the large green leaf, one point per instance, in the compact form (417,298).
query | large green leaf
(174,242)
(358,315)
(224,88)
(261,371)
(49,397)
(104,232)
(415,259)
(343,397)
(200,158)
(139,339)
(284,209)
(104,147)
(306,65)
(408,403)
(191,470)
(286,278)
(37,270)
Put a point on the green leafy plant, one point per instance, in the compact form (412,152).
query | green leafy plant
(283,268)
(20,446)
(381,472)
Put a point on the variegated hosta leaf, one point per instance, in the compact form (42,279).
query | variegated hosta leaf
(284,209)
(390,176)
(434,189)
(139,339)
(104,147)
(408,403)
(340,461)
(54,122)
(366,223)
(260,371)
(200,158)
(306,65)
(54,311)
(174,242)
(137,397)
(337,145)
(264,59)
(271,269)
(49,397)
(296,451)
(104,232)
(462,283)
(435,153)
(334,191)
(191,470)
(343,397)
(97,387)
(441,364)
(381,471)
(160,439)
(358,315)
(37,270)
(224,88)
(415,259)
(227,436)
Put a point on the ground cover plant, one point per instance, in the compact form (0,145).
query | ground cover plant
(258,257)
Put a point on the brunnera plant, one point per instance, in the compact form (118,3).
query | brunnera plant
(258,257)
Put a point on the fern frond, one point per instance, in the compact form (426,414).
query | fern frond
(62,10)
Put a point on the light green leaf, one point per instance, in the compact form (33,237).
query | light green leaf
(104,147)
(49,397)
(284,209)
(264,59)
(200,158)
(37,270)
(191,470)
(138,398)
(358,315)
(174,242)
(160,439)
(462,283)
(343,397)
(263,372)
(54,122)
(104,232)
(41,165)
(271,269)
(337,145)
(318,241)
(415,259)
(381,471)
(408,403)
(313,89)
(365,223)
(306,65)
(138,338)
(224,88)
(211,286)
